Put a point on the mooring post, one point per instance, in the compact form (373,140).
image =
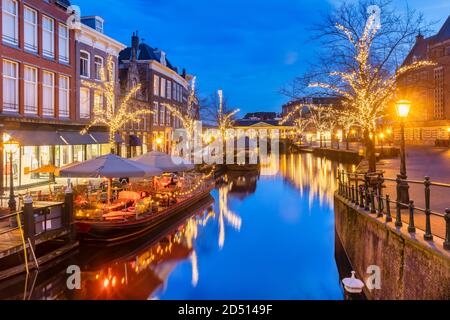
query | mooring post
(29,227)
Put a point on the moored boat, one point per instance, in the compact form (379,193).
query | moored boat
(126,229)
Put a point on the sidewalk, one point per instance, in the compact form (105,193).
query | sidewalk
(420,162)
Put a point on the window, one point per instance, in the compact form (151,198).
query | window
(85,107)
(156,85)
(98,67)
(99,25)
(155,113)
(162,115)
(174,91)
(169,89)
(48,94)
(439,93)
(30,29)
(48,39)
(64,97)
(167,117)
(31,91)
(63,36)
(10,22)
(98,101)
(10,86)
(163,87)
(84,64)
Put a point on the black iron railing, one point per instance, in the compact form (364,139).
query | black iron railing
(366,192)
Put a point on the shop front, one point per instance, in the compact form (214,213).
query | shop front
(39,149)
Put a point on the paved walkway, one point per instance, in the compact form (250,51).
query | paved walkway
(420,162)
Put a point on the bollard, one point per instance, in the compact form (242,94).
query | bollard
(428,235)
(380,205)
(29,228)
(411,226)
(447,229)
(388,209)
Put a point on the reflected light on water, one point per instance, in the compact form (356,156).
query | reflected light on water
(306,172)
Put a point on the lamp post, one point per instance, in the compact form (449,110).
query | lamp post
(403,107)
(11,146)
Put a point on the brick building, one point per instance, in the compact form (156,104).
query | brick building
(42,107)
(161,84)
(428,89)
(38,83)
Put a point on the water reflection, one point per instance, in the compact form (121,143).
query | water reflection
(265,236)
(314,177)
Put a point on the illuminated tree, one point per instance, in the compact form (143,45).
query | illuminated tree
(362,46)
(109,116)
(320,118)
(224,118)
(346,120)
(300,121)
(189,116)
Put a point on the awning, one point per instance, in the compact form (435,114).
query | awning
(135,141)
(36,138)
(75,138)
(103,137)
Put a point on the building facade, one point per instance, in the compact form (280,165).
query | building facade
(93,48)
(161,84)
(428,89)
(42,107)
(38,83)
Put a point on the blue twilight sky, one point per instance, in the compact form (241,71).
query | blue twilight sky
(248,48)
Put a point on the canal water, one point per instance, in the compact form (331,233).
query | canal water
(262,235)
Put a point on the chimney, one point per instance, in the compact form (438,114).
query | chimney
(183,73)
(419,37)
(134,45)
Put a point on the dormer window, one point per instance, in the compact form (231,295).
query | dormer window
(163,59)
(99,25)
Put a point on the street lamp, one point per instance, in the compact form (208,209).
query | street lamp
(403,107)
(11,146)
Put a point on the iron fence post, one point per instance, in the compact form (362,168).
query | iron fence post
(388,209)
(353,194)
(428,235)
(356,190)
(361,197)
(372,202)
(398,218)
(366,193)
(411,226)
(447,229)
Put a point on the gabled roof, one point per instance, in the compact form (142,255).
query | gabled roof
(420,49)
(249,123)
(444,32)
(145,52)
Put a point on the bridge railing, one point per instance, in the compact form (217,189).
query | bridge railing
(365,190)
